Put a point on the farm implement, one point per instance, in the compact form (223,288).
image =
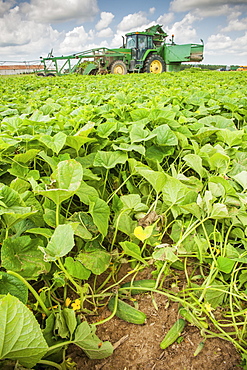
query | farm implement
(141,52)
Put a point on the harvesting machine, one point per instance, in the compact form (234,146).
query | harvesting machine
(145,51)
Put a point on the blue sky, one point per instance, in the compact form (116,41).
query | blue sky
(31,28)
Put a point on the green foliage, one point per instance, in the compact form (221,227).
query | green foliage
(21,337)
(95,171)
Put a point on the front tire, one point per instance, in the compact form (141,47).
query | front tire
(154,64)
(118,68)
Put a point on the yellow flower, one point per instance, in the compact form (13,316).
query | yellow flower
(76,305)
(208,307)
(67,302)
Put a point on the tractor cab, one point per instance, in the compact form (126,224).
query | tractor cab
(138,43)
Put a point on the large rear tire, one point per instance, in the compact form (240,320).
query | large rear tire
(154,64)
(118,68)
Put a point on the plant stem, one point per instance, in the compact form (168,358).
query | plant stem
(79,289)
(106,177)
(160,274)
(104,283)
(32,290)
(115,192)
(57,214)
(116,228)
(58,345)
(112,314)
(190,229)
(50,363)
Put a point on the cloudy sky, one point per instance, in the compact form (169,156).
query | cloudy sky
(30,29)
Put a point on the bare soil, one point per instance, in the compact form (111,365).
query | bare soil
(137,346)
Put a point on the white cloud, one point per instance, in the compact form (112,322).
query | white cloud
(183,6)
(222,45)
(105,19)
(58,11)
(152,10)
(183,30)
(234,14)
(165,19)
(218,42)
(15,31)
(106,32)
(209,8)
(75,40)
(132,22)
(236,25)
(214,11)
(241,44)
(5,6)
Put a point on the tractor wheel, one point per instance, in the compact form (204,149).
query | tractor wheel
(154,64)
(118,68)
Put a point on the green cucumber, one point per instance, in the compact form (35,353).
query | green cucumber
(145,283)
(173,334)
(199,348)
(178,265)
(127,312)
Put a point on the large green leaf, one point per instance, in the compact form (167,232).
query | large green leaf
(20,336)
(217,121)
(130,147)
(125,224)
(61,243)
(219,211)
(14,286)
(156,179)
(230,137)
(109,159)
(28,156)
(139,134)
(216,293)
(105,129)
(160,116)
(76,268)
(165,136)
(241,178)
(12,207)
(165,253)
(9,199)
(76,142)
(54,143)
(195,162)
(100,212)
(96,261)
(68,177)
(133,202)
(174,191)
(225,264)
(219,162)
(86,339)
(86,193)
(133,250)
(22,255)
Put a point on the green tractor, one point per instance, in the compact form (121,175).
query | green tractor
(141,52)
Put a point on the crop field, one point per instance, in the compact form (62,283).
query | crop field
(115,189)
